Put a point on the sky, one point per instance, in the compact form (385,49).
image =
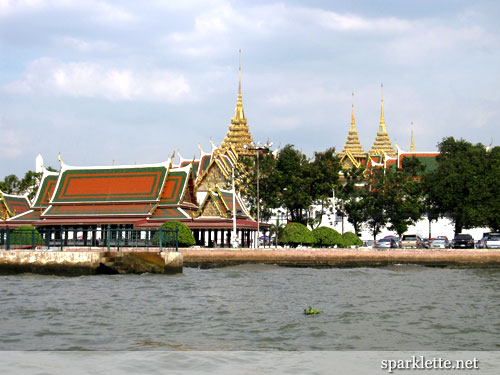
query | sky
(129,82)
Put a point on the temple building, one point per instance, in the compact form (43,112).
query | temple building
(238,135)
(352,153)
(11,205)
(197,192)
(381,153)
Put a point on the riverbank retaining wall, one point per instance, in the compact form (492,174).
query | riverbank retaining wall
(76,263)
(341,257)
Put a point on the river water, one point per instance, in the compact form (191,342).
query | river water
(255,308)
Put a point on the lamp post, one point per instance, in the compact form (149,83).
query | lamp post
(258,148)
(233,239)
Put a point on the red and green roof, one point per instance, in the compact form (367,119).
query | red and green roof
(46,189)
(175,186)
(110,184)
(169,213)
(14,204)
(29,216)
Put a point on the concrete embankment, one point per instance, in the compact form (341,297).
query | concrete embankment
(76,263)
(209,258)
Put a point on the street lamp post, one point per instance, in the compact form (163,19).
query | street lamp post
(258,148)
(234,234)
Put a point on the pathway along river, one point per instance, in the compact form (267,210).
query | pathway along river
(255,307)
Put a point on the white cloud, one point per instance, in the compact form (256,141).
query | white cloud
(100,11)
(10,142)
(86,79)
(428,42)
(85,46)
(352,22)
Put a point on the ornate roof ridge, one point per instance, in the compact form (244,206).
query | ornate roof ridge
(66,167)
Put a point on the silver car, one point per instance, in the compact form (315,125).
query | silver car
(492,241)
(386,243)
(440,243)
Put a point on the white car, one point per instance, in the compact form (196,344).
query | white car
(492,241)
(440,243)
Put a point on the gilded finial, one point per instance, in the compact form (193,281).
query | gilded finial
(412,145)
(381,127)
(239,73)
(238,113)
(59,158)
(353,123)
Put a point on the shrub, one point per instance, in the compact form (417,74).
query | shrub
(350,239)
(327,237)
(186,237)
(23,235)
(296,234)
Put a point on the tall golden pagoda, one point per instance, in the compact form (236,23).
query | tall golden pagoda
(382,143)
(412,145)
(352,143)
(239,135)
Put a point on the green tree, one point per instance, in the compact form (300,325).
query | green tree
(326,237)
(324,174)
(491,203)
(10,185)
(246,181)
(29,184)
(352,195)
(26,235)
(404,195)
(375,202)
(296,234)
(186,237)
(457,188)
(351,239)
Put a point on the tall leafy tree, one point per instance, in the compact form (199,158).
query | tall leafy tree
(29,184)
(376,201)
(457,188)
(491,203)
(324,173)
(247,183)
(404,195)
(352,195)
(294,182)
(10,184)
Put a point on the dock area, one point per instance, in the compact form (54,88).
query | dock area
(77,263)
(322,258)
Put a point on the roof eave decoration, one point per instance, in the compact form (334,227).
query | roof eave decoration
(42,186)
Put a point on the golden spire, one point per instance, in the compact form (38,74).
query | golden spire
(353,123)
(412,146)
(239,135)
(382,142)
(352,144)
(381,127)
(238,112)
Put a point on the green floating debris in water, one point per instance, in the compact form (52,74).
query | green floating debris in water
(311,311)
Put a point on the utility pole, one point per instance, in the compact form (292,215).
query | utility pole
(258,148)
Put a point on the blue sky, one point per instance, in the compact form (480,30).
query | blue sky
(127,81)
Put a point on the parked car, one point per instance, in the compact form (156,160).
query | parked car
(480,244)
(440,243)
(426,242)
(463,241)
(412,241)
(367,244)
(398,240)
(492,241)
(386,243)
